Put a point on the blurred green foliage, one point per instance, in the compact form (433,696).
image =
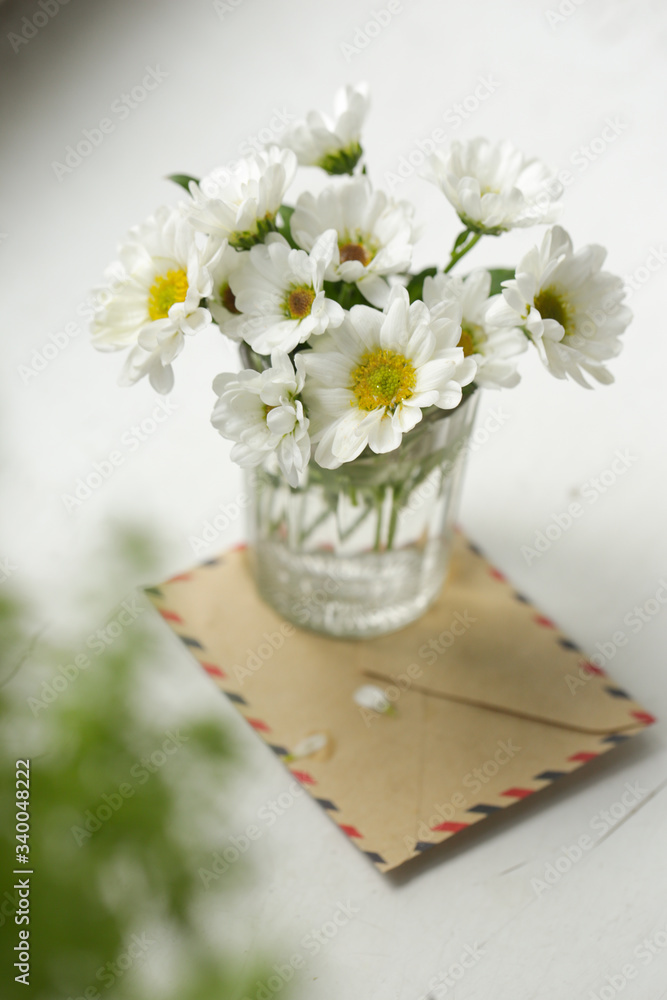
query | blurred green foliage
(124,811)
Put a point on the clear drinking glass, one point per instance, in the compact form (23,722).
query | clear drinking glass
(363,550)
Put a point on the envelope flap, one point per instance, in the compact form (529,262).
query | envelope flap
(485,644)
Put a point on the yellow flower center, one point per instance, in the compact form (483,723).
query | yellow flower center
(551,305)
(165,290)
(383,378)
(354,251)
(300,302)
(228,299)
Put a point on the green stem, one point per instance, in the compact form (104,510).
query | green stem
(307,532)
(378,527)
(468,244)
(395,510)
(344,535)
(347,294)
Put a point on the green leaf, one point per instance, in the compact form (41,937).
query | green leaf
(346,293)
(498,275)
(351,295)
(183,180)
(416,283)
(460,239)
(286,213)
(332,289)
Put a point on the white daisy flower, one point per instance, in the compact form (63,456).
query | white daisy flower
(262,413)
(221,301)
(279,291)
(570,308)
(374,234)
(493,347)
(385,368)
(493,186)
(153,298)
(241,205)
(333,144)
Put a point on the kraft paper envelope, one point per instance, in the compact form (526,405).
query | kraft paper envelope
(490,701)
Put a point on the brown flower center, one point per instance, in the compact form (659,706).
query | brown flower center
(229,299)
(354,251)
(299,302)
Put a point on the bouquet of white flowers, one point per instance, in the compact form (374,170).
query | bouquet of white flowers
(346,350)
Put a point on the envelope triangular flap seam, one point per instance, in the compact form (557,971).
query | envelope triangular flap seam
(506,657)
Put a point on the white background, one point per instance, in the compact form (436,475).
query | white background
(556,82)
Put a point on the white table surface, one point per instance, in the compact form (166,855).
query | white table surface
(555,85)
